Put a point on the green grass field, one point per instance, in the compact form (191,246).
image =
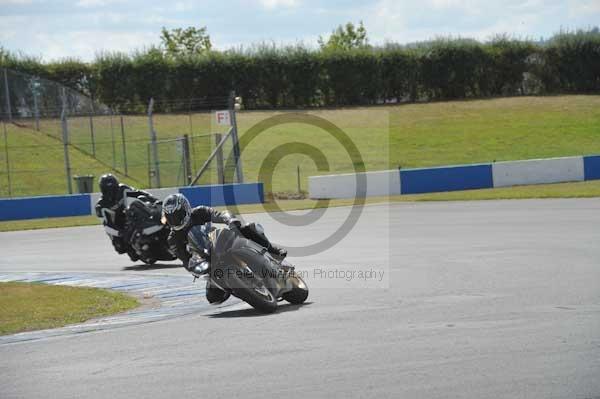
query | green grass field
(27,307)
(422,135)
(37,164)
(412,135)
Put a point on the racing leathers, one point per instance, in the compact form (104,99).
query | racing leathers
(203,214)
(112,210)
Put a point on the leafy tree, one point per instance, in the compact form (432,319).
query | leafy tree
(346,37)
(188,41)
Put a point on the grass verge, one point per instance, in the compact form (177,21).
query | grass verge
(561,190)
(27,307)
(408,135)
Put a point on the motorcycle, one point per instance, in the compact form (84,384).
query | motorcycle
(242,268)
(148,240)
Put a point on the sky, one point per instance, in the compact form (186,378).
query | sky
(82,29)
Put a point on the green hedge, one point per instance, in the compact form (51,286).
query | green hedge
(295,77)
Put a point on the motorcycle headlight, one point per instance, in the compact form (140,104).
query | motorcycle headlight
(199,266)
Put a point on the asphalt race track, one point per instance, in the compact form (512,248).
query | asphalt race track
(491,299)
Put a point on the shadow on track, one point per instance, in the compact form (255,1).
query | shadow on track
(251,312)
(142,267)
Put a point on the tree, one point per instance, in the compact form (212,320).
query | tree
(191,40)
(346,38)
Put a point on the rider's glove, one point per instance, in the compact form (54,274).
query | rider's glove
(235,224)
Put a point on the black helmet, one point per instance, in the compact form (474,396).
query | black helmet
(109,186)
(177,211)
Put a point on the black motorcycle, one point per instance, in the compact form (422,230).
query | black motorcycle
(148,236)
(242,268)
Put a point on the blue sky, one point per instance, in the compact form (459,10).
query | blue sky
(82,28)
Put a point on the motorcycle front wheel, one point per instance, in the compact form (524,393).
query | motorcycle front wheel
(257,295)
(299,292)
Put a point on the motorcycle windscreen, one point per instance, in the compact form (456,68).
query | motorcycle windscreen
(198,239)
(225,240)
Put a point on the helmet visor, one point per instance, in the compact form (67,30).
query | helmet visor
(109,191)
(177,218)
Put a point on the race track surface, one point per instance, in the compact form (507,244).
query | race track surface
(491,299)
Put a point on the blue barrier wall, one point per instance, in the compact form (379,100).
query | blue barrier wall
(452,178)
(591,167)
(228,194)
(467,177)
(82,204)
(45,207)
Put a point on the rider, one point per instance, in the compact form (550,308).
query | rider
(181,217)
(113,200)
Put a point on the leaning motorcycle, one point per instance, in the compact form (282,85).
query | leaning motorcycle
(242,268)
(148,240)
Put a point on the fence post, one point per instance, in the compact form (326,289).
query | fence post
(220,169)
(212,155)
(124,144)
(7,160)
(36,111)
(8,106)
(192,145)
(153,142)
(149,165)
(112,137)
(65,138)
(190,118)
(234,137)
(298,179)
(186,159)
(92,131)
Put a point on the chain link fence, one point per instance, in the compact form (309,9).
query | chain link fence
(52,133)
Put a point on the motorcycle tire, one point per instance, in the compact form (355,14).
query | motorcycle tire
(261,299)
(299,292)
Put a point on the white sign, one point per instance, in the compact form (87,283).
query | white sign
(223,118)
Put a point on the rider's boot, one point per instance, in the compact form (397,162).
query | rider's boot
(133,255)
(277,251)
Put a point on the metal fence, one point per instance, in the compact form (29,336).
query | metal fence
(52,133)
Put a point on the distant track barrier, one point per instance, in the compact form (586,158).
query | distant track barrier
(459,177)
(83,204)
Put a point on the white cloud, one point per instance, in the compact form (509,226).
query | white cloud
(444,4)
(159,19)
(405,22)
(271,4)
(183,6)
(14,2)
(584,7)
(95,3)
(86,44)
(6,36)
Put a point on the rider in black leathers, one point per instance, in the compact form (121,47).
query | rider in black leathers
(181,217)
(113,200)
